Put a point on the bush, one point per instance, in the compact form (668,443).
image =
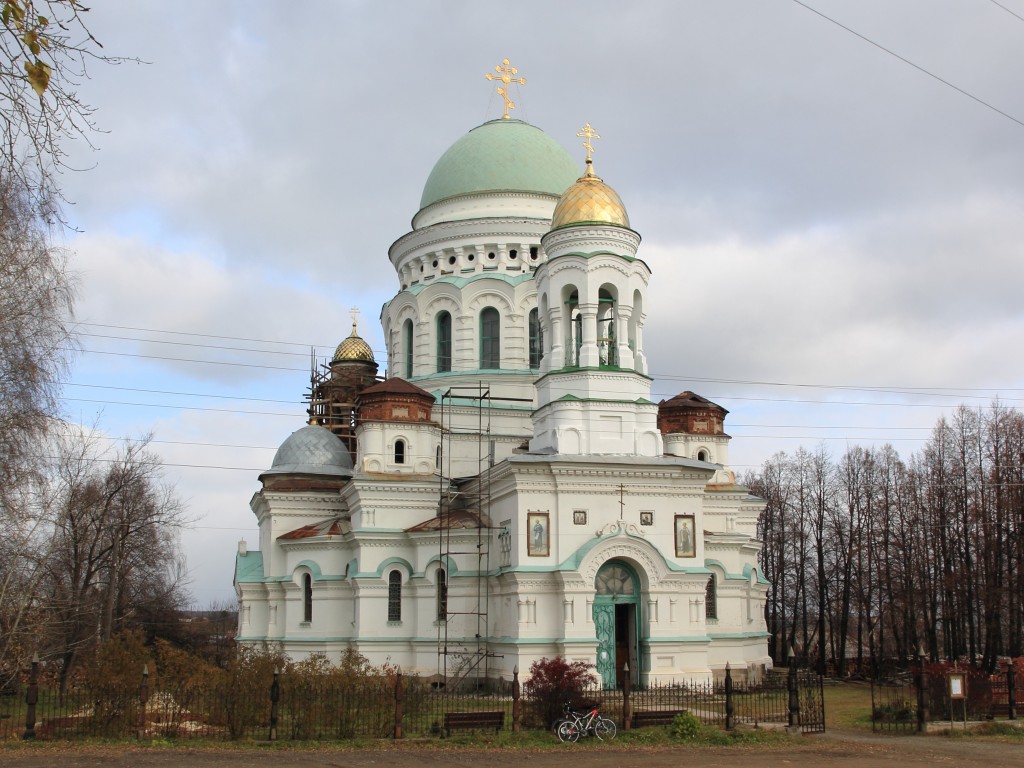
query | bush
(552,683)
(686,727)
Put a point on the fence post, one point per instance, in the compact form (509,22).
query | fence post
(627,706)
(517,704)
(729,720)
(31,698)
(275,696)
(398,704)
(143,698)
(794,694)
(1011,692)
(922,684)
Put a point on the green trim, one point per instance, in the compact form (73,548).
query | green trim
(592,254)
(598,369)
(730,576)
(393,561)
(416,287)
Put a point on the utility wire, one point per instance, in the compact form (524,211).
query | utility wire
(1007,9)
(912,64)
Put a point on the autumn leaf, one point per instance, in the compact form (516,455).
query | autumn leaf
(38,75)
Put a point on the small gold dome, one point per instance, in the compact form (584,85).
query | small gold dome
(353,348)
(589,201)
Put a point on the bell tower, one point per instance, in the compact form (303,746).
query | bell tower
(593,395)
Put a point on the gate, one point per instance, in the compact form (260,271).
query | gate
(811,692)
(894,705)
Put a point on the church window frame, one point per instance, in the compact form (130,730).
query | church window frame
(490,339)
(395,597)
(441,604)
(401,451)
(711,599)
(307,598)
(407,346)
(536,339)
(444,341)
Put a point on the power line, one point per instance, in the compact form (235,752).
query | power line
(1007,9)
(203,335)
(177,407)
(912,64)
(184,394)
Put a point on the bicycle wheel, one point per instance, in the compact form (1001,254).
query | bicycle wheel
(567,731)
(604,729)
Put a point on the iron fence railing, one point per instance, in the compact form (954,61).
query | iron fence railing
(330,707)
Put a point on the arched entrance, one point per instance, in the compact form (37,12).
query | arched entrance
(616,622)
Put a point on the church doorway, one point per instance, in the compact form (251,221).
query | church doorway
(616,623)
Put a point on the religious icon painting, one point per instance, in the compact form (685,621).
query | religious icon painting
(537,534)
(686,538)
(647,518)
(579,517)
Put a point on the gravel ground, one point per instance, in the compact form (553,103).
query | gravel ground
(849,750)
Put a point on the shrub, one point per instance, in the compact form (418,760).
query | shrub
(552,683)
(686,727)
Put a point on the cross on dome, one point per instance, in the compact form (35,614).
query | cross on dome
(588,134)
(505,72)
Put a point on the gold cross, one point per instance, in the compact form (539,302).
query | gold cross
(588,133)
(505,73)
(354,311)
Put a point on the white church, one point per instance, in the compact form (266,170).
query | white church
(509,491)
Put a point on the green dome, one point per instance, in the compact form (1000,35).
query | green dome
(501,155)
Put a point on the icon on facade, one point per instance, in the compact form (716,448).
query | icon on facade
(686,540)
(579,517)
(537,529)
(646,518)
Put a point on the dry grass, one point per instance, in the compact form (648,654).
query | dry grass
(848,705)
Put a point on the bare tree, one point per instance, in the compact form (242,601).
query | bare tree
(45,52)
(114,551)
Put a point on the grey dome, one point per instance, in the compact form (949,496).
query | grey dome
(312,450)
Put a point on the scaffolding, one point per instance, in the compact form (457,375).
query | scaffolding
(464,503)
(331,400)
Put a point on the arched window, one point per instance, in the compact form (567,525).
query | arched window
(407,346)
(307,598)
(444,342)
(399,451)
(711,599)
(614,580)
(490,338)
(442,596)
(394,596)
(536,340)
(702,455)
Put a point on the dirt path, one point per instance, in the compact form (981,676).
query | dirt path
(842,750)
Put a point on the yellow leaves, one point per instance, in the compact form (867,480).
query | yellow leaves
(34,39)
(38,75)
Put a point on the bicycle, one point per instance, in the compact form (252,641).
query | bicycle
(574,724)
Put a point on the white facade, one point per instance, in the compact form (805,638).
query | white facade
(538,509)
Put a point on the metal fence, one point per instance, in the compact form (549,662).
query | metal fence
(905,700)
(326,707)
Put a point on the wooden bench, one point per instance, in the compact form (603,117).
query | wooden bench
(470,720)
(644,717)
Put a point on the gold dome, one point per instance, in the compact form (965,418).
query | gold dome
(353,348)
(589,201)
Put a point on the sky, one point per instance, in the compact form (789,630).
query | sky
(830,196)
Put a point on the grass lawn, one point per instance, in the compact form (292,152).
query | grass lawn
(848,705)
